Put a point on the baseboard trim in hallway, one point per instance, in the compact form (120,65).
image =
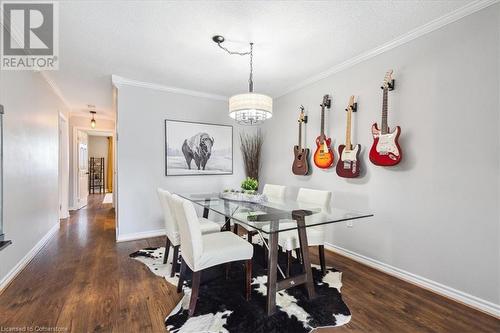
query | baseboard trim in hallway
(420,281)
(140,235)
(4,283)
(108,198)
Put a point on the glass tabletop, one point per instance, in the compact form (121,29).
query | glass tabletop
(273,216)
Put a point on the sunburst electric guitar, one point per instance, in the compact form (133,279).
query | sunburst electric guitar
(385,150)
(348,164)
(323,156)
(300,165)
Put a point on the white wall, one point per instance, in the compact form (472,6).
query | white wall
(30,164)
(141,155)
(437,213)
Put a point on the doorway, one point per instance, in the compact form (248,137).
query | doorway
(93,165)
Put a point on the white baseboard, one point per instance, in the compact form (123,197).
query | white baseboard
(457,295)
(28,257)
(140,235)
(64,215)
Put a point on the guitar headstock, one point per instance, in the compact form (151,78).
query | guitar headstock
(302,115)
(388,80)
(327,102)
(352,106)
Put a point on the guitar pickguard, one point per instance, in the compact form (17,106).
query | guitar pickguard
(386,144)
(385,150)
(350,155)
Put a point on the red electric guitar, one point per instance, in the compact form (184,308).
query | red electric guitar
(348,164)
(323,156)
(385,150)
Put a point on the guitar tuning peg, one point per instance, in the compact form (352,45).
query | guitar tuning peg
(391,85)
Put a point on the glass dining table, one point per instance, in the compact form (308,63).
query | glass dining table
(269,219)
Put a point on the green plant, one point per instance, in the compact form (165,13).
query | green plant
(250,184)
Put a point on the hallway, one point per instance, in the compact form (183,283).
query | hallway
(83,281)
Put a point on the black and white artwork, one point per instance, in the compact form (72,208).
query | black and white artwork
(198,148)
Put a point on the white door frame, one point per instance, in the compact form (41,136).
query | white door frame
(89,131)
(63,166)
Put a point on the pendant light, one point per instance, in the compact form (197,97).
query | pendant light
(92,122)
(248,108)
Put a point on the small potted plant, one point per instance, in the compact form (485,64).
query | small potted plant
(249,185)
(248,192)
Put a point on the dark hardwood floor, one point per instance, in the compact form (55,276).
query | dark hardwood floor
(84,281)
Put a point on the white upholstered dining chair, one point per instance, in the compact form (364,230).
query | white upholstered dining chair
(172,229)
(289,240)
(202,251)
(274,193)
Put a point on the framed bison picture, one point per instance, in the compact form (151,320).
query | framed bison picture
(193,148)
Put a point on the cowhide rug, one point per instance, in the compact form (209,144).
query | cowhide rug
(222,307)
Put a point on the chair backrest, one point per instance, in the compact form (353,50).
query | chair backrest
(170,221)
(274,193)
(316,197)
(189,229)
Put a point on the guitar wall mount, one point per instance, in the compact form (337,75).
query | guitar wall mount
(354,107)
(390,85)
(305,116)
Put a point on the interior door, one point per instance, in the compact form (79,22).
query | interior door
(83,168)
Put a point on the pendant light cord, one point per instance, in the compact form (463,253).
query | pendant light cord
(250,79)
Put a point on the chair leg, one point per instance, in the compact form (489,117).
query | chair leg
(228,268)
(174,260)
(195,288)
(167,250)
(297,253)
(182,276)
(248,279)
(288,263)
(321,249)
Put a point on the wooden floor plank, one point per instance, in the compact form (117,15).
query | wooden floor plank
(84,281)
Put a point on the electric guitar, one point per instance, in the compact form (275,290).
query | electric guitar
(348,164)
(385,150)
(323,156)
(300,165)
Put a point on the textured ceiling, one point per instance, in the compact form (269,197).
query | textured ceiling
(169,43)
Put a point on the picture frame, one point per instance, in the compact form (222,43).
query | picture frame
(198,148)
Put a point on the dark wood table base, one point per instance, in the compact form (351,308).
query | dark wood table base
(273,285)
(306,278)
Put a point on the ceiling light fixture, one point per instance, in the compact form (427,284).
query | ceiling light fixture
(92,122)
(247,108)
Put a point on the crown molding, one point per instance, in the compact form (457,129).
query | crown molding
(431,26)
(119,81)
(55,89)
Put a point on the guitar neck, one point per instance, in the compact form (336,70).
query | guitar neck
(322,121)
(300,135)
(385,128)
(348,130)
